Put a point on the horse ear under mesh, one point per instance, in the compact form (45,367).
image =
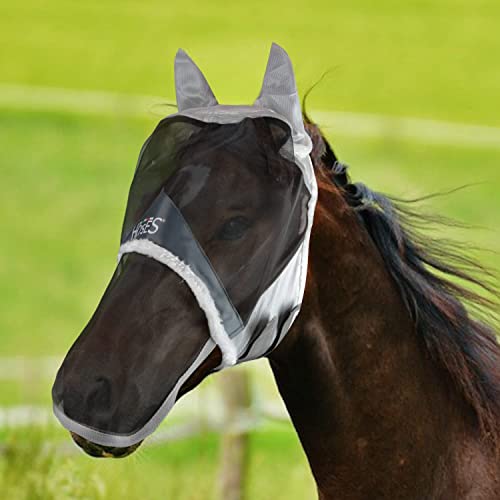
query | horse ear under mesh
(213,257)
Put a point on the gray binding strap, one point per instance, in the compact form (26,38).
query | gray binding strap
(164,235)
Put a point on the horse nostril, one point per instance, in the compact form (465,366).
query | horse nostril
(99,398)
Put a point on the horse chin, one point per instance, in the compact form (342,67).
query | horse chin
(100,451)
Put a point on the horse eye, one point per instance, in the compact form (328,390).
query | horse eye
(233,229)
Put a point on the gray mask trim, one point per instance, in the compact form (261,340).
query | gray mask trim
(124,440)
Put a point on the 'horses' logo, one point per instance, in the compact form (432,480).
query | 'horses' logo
(149,225)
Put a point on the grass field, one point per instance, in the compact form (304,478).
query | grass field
(64,177)
(183,470)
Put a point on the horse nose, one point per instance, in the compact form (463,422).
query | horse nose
(89,401)
(99,397)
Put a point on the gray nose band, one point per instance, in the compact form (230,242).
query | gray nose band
(164,225)
(106,438)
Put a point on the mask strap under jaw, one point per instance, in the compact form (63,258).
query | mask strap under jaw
(197,286)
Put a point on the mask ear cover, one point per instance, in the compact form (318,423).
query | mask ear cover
(191,87)
(279,93)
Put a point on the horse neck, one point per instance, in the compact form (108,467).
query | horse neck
(374,416)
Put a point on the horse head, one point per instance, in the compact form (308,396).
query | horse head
(212,261)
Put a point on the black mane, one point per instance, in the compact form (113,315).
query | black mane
(435,278)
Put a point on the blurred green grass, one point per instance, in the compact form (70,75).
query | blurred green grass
(431,58)
(181,470)
(64,176)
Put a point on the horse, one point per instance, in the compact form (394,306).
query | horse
(391,381)
(393,387)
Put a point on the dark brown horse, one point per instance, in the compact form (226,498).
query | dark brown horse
(393,388)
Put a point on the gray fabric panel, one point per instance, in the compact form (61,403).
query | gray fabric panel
(164,225)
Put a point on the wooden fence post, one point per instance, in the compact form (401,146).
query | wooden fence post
(236,393)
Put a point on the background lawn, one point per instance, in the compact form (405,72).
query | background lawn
(65,168)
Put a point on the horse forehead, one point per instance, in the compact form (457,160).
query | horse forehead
(236,176)
(226,176)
